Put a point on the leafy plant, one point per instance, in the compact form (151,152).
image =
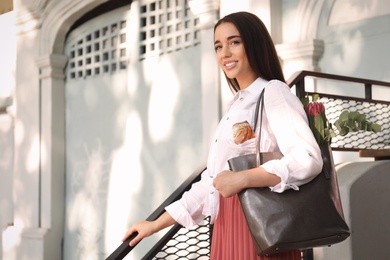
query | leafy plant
(346,123)
(353,122)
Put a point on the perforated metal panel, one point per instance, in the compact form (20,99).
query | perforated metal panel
(375,113)
(193,244)
(188,244)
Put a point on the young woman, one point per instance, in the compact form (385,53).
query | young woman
(247,55)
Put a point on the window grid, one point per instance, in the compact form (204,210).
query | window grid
(166,26)
(99,52)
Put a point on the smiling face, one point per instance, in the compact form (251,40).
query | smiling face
(231,54)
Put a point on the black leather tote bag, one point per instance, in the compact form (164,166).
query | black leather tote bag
(310,217)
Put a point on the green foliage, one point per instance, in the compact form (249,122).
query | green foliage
(305,101)
(354,122)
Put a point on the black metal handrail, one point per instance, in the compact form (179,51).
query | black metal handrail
(297,80)
(124,248)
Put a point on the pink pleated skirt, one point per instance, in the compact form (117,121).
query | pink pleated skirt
(232,239)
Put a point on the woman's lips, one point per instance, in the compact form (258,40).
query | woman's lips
(230,64)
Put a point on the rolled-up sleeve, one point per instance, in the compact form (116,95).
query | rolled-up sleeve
(194,204)
(287,127)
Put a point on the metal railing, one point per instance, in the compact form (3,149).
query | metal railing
(376,110)
(124,248)
(180,243)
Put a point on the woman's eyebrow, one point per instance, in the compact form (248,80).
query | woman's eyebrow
(229,38)
(234,36)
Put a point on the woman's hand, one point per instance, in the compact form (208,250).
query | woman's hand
(228,183)
(147,228)
(144,229)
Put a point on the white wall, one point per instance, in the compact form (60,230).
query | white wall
(132,137)
(144,114)
(356,40)
(7,86)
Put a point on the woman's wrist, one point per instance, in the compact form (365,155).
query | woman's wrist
(258,178)
(165,220)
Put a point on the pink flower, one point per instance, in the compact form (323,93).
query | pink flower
(348,121)
(315,108)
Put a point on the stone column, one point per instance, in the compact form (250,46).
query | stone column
(52,146)
(23,236)
(6,167)
(38,177)
(7,87)
(207,12)
(303,49)
(302,55)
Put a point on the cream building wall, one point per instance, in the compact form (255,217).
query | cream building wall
(72,151)
(7,86)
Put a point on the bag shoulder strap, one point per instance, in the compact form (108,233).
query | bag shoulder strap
(256,119)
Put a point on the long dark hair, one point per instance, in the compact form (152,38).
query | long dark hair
(259,47)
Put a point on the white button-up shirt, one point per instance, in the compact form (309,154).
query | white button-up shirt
(284,129)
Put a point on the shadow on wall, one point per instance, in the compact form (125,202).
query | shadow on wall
(130,142)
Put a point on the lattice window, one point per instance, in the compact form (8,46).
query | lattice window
(98,51)
(166,26)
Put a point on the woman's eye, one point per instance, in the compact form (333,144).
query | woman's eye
(217,48)
(235,42)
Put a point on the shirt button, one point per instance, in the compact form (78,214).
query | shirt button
(211,189)
(227,118)
(241,98)
(216,140)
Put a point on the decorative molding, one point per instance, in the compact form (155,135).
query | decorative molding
(29,14)
(206,10)
(52,66)
(59,16)
(303,55)
(35,6)
(303,49)
(26,21)
(308,16)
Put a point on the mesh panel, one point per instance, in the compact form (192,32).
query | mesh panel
(375,112)
(188,244)
(193,244)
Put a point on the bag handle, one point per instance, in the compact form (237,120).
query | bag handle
(260,100)
(256,117)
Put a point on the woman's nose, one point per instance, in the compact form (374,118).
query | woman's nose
(226,52)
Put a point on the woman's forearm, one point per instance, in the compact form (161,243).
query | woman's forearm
(258,177)
(165,220)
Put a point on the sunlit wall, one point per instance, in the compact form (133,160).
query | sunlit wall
(134,134)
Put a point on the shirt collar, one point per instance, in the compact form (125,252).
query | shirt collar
(254,89)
